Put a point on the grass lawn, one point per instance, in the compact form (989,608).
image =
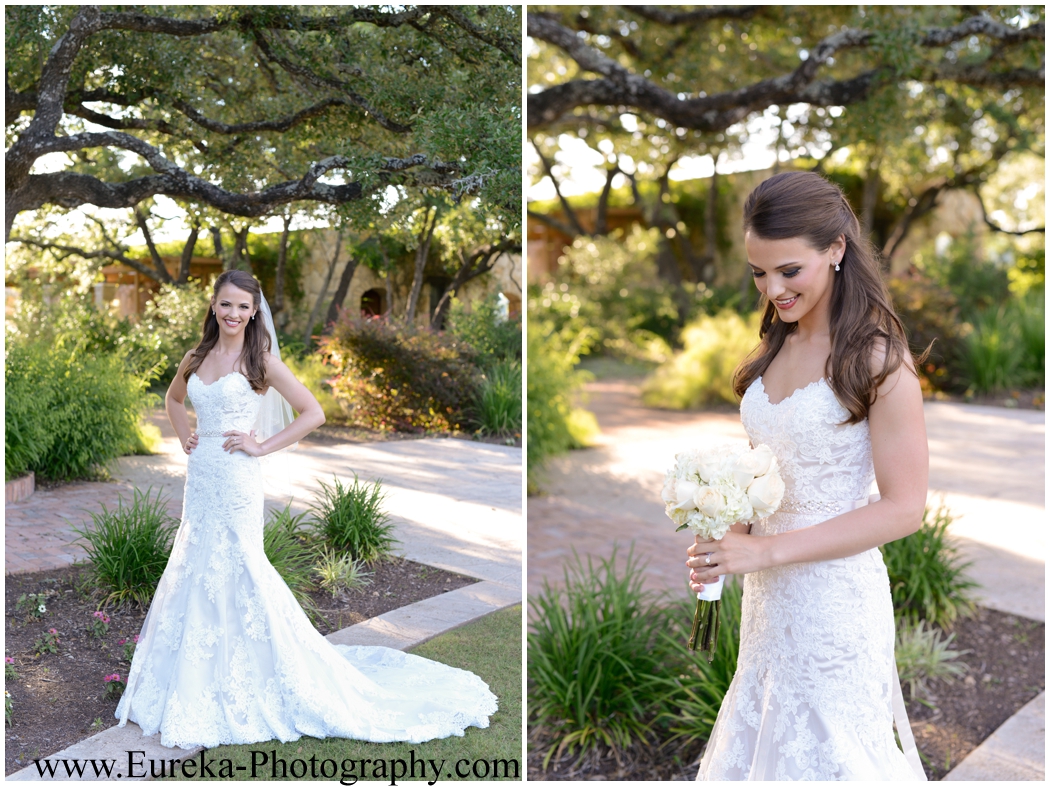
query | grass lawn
(491,648)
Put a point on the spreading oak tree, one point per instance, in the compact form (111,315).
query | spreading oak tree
(252,111)
(923,98)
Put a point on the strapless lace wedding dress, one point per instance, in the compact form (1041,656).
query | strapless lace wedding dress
(816,694)
(226,654)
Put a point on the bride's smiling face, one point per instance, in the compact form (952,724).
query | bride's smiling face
(794,276)
(233,308)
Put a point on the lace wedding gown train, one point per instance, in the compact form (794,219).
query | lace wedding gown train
(816,693)
(226,655)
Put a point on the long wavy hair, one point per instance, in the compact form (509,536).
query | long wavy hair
(256,338)
(805,205)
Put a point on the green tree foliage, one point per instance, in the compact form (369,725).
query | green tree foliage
(245,109)
(900,103)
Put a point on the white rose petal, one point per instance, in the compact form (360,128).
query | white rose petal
(685,489)
(668,494)
(708,501)
(765,494)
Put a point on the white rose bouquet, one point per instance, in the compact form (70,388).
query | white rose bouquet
(710,490)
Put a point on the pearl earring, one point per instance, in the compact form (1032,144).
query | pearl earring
(837,268)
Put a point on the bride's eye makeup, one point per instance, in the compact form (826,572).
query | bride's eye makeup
(792,273)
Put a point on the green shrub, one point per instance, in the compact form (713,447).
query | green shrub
(611,287)
(930,315)
(172,321)
(593,650)
(312,370)
(922,654)
(1031,324)
(694,688)
(396,378)
(351,519)
(129,547)
(702,373)
(554,425)
(27,417)
(287,549)
(493,339)
(992,355)
(927,580)
(91,413)
(499,399)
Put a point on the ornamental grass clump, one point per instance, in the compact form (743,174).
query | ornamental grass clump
(287,548)
(922,655)
(594,646)
(339,572)
(351,519)
(498,405)
(927,575)
(129,547)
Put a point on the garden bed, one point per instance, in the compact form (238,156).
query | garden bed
(1006,669)
(59,698)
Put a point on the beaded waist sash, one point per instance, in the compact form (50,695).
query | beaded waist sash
(823,507)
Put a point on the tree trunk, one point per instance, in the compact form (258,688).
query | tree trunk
(422,252)
(324,290)
(239,257)
(870,197)
(282,259)
(711,227)
(340,291)
(187,255)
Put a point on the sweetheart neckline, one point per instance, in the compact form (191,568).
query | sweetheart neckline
(762,384)
(220,379)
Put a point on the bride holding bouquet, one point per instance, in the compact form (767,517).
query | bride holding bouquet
(831,390)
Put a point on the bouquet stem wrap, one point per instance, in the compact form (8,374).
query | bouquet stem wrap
(706,619)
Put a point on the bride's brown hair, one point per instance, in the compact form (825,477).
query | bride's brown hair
(860,315)
(256,337)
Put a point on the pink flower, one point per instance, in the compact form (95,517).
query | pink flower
(122,641)
(136,638)
(9,660)
(111,678)
(53,632)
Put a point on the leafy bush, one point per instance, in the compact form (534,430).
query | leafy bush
(173,319)
(312,370)
(930,315)
(129,547)
(610,286)
(927,580)
(922,655)
(351,519)
(499,399)
(594,647)
(87,410)
(554,425)
(492,338)
(1007,346)
(702,373)
(398,378)
(287,549)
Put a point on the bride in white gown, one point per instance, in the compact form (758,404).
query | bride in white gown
(226,655)
(832,391)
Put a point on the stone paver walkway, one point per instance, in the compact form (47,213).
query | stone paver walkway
(986,463)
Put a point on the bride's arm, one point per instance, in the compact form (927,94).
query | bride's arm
(901,458)
(175,406)
(311,416)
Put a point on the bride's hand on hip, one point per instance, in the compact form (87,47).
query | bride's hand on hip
(736,552)
(190,443)
(238,440)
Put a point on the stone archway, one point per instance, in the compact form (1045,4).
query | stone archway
(373,303)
